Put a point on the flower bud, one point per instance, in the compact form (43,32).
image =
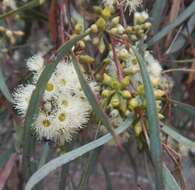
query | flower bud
(125,82)
(9,33)
(78,28)
(140,89)
(94,28)
(129,29)
(159,93)
(138,129)
(101,24)
(147,25)
(116,85)
(155,81)
(106,93)
(106,61)
(115,20)
(113,31)
(2,29)
(123,54)
(133,103)
(19,33)
(126,94)
(81,44)
(95,41)
(161,116)
(115,102)
(107,79)
(106,12)
(86,59)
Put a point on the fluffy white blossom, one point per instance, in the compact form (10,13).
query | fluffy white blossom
(131,5)
(22,97)
(64,109)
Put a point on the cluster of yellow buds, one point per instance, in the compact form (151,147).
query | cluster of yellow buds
(140,28)
(11,35)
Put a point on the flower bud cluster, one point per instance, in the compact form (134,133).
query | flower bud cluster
(11,35)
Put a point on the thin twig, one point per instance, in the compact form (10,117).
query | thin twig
(178,69)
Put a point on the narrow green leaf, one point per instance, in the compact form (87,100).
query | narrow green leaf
(44,155)
(153,122)
(67,157)
(170,182)
(177,137)
(3,87)
(181,37)
(157,13)
(181,18)
(28,5)
(33,108)
(92,100)
(188,109)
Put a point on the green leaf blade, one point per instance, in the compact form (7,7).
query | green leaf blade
(153,122)
(67,157)
(179,20)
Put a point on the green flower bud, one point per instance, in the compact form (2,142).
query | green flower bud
(115,20)
(101,24)
(107,79)
(78,28)
(115,102)
(126,94)
(86,59)
(106,93)
(125,82)
(159,93)
(94,28)
(129,29)
(138,129)
(147,25)
(123,54)
(116,85)
(133,103)
(106,12)
(97,9)
(113,31)
(140,89)
(95,41)
(106,61)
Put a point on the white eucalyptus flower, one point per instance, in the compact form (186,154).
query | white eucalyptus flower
(131,5)
(64,109)
(22,97)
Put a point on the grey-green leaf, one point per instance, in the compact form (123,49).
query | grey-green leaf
(153,122)
(177,137)
(157,13)
(179,20)
(3,87)
(186,108)
(92,100)
(67,157)
(181,37)
(170,182)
